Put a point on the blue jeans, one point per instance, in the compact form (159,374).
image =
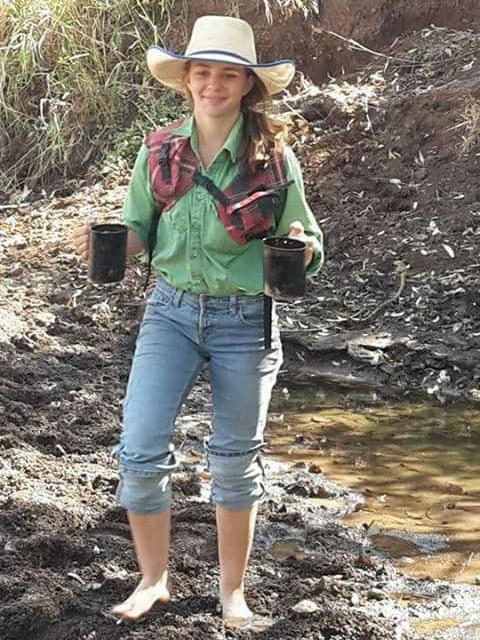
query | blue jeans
(181,333)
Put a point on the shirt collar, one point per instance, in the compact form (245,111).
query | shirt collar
(233,144)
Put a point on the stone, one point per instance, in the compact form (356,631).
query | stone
(305,606)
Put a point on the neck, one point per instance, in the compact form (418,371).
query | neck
(213,132)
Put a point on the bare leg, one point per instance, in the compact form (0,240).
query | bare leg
(235,536)
(151,537)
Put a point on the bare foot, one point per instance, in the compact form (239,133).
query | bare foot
(142,600)
(234,609)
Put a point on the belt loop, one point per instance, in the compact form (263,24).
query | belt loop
(233,305)
(177,297)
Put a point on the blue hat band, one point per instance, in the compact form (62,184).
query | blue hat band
(223,53)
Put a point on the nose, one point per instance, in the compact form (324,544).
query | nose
(214,80)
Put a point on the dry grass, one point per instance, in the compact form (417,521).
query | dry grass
(70,76)
(271,7)
(471,123)
(289,6)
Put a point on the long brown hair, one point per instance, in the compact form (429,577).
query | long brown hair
(264,134)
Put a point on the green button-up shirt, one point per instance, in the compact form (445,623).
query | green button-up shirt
(194,251)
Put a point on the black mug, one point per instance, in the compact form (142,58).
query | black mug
(283,267)
(107,252)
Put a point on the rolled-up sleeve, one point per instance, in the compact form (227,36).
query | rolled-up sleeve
(297,208)
(139,203)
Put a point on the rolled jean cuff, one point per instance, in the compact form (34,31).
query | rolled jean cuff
(133,464)
(237,478)
(144,491)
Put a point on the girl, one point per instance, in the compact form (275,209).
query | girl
(222,179)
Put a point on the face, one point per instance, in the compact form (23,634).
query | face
(217,89)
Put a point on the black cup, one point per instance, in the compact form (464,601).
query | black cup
(283,267)
(107,252)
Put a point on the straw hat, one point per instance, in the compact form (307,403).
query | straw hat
(219,39)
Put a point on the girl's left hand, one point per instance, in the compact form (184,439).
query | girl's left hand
(297,231)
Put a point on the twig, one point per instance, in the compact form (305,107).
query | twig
(76,577)
(360,47)
(465,564)
(5,207)
(286,332)
(402,270)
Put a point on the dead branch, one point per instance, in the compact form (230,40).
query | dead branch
(401,270)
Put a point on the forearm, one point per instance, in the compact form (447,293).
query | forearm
(134,243)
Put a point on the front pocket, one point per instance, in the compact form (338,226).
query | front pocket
(251,313)
(160,299)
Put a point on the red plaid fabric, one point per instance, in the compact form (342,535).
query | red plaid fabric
(243,217)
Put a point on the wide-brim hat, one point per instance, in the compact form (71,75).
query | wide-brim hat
(219,39)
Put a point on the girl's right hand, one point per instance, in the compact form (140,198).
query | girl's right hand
(81,239)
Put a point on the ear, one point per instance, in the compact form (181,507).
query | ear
(186,76)
(249,84)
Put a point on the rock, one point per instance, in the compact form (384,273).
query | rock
(366,560)
(321,492)
(288,548)
(301,465)
(299,489)
(305,606)
(44,318)
(189,562)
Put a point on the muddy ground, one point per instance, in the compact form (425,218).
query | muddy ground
(392,166)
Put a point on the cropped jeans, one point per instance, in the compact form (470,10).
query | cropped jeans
(180,334)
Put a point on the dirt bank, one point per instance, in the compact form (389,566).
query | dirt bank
(391,161)
(373,23)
